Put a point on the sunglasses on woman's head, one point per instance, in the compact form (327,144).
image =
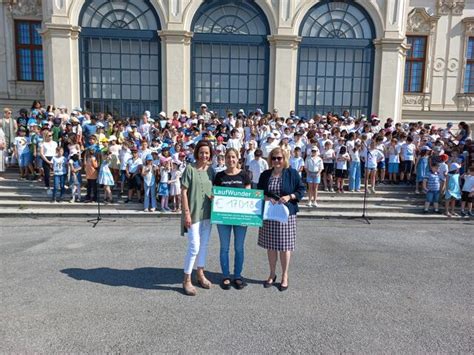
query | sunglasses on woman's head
(277,158)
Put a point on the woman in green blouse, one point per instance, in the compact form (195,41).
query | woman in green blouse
(196,202)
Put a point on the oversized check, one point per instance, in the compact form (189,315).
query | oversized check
(238,207)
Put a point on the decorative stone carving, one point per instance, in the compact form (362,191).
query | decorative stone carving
(468,26)
(419,21)
(59,4)
(285,41)
(439,64)
(26,8)
(453,64)
(447,6)
(421,100)
(171,36)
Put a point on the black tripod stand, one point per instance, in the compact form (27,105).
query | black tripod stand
(364,206)
(99,218)
(366,179)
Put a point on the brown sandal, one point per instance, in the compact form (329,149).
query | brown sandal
(204,283)
(189,289)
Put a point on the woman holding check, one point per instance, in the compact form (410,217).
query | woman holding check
(196,194)
(234,177)
(281,184)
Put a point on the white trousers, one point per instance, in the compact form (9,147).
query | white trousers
(198,239)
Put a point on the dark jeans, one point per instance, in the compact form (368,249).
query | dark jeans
(91,190)
(47,172)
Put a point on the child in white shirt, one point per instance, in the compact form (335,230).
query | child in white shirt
(341,167)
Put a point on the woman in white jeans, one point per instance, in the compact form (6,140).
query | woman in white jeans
(196,202)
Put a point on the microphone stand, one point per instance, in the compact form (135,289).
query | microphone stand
(99,218)
(366,179)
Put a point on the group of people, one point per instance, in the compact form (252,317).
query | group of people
(176,160)
(146,156)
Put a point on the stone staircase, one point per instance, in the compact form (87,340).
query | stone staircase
(29,198)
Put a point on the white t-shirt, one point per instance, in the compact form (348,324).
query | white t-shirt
(133,165)
(49,148)
(355,156)
(22,145)
(394,154)
(328,156)
(408,151)
(468,183)
(373,157)
(314,165)
(443,171)
(341,162)
(297,163)
(257,167)
(234,143)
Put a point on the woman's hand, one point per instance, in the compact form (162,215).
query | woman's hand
(187,220)
(285,199)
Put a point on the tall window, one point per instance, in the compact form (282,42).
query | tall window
(230,56)
(335,62)
(120,57)
(29,51)
(415,64)
(469,77)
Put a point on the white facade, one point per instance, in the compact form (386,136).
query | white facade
(447,23)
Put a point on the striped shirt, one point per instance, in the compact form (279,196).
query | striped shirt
(432,183)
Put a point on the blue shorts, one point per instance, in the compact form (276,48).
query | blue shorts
(381,165)
(24,160)
(432,196)
(313,178)
(393,168)
(370,169)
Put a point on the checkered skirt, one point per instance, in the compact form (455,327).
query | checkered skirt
(274,235)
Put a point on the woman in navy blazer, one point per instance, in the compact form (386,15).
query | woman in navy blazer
(281,184)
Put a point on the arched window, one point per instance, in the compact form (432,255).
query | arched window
(120,57)
(336,57)
(230,56)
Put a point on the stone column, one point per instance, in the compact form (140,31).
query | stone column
(3,51)
(392,68)
(61,64)
(283,73)
(176,69)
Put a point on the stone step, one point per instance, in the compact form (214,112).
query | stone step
(322,205)
(110,212)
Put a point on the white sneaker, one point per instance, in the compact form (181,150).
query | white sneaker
(332,190)
(72,200)
(373,191)
(310,204)
(49,192)
(145,210)
(315,204)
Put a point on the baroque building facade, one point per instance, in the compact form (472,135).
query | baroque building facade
(405,59)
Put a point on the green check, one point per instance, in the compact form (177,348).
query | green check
(237,207)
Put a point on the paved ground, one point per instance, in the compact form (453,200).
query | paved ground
(385,287)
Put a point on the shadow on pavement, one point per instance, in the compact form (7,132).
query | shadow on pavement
(149,278)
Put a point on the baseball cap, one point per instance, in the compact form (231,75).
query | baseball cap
(163,114)
(112,138)
(149,157)
(204,105)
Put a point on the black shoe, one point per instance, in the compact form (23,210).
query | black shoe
(283,288)
(224,285)
(267,284)
(126,201)
(239,284)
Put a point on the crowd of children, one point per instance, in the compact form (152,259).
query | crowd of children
(145,156)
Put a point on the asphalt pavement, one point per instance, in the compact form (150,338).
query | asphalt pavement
(392,287)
